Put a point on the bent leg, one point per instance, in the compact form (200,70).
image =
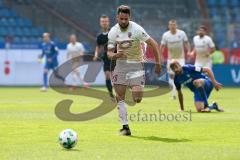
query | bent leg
(137,93)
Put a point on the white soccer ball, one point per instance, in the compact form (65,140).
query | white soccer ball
(68,138)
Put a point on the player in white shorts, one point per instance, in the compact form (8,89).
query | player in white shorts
(203,48)
(176,41)
(74,50)
(129,72)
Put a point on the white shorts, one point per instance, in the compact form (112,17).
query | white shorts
(181,61)
(129,74)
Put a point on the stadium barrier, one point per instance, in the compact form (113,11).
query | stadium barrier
(21,68)
(228,75)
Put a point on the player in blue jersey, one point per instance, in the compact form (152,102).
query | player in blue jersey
(50,52)
(198,82)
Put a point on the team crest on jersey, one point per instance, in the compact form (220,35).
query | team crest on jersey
(144,34)
(125,44)
(129,34)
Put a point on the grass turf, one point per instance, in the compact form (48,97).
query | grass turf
(29,129)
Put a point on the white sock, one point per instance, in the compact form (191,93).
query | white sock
(174,91)
(122,110)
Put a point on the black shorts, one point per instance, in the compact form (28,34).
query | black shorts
(108,65)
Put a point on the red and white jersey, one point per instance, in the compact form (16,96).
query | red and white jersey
(202,47)
(128,40)
(174,43)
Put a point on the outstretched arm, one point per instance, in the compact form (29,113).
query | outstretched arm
(210,74)
(180,98)
(153,44)
(96,53)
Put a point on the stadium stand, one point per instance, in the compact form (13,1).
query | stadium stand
(225,21)
(17,29)
(18,19)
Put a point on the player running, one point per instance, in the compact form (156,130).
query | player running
(102,41)
(177,42)
(50,52)
(74,51)
(198,82)
(203,48)
(128,35)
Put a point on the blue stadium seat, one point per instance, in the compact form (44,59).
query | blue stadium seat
(13,14)
(12,21)
(40,31)
(24,40)
(27,23)
(20,22)
(233,3)
(213,12)
(2,40)
(10,31)
(33,40)
(4,12)
(19,32)
(4,22)
(222,3)
(211,3)
(3,31)
(34,32)
(26,31)
(17,40)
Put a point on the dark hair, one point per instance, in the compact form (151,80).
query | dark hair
(104,16)
(203,27)
(172,21)
(124,9)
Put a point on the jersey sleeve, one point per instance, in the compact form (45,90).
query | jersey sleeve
(98,40)
(111,39)
(193,68)
(185,38)
(81,47)
(194,41)
(68,48)
(164,40)
(210,43)
(142,35)
(177,84)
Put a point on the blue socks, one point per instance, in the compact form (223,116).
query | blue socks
(45,80)
(204,96)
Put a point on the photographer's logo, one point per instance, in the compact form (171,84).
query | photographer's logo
(159,116)
(62,109)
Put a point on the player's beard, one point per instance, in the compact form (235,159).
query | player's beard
(124,27)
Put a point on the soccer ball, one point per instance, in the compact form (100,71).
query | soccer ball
(68,138)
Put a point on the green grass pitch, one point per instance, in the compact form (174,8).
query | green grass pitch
(29,129)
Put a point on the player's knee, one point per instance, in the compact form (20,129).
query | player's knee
(199,109)
(120,98)
(197,83)
(137,99)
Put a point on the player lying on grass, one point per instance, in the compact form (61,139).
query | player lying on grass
(198,82)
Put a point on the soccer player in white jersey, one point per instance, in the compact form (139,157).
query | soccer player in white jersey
(128,35)
(177,42)
(203,48)
(74,50)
